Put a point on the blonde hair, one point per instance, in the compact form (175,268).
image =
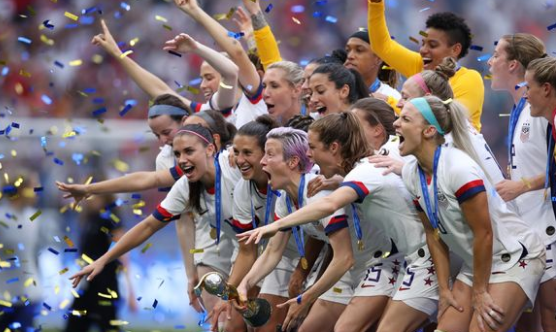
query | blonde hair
(437,80)
(294,72)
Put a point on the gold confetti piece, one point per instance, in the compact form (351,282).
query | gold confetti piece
(106,296)
(146,247)
(18,88)
(387,68)
(196,251)
(47,40)
(64,209)
(219,17)
(488,77)
(68,241)
(114,218)
(71,16)
(386,254)
(69,134)
(64,304)
(118,322)
(14,153)
(18,182)
(76,63)
(112,293)
(28,282)
(74,293)
(86,259)
(89,179)
(24,73)
(423,33)
(7,177)
(105,303)
(526,182)
(296,21)
(139,204)
(64,270)
(36,215)
(134,41)
(97,59)
(5,303)
(413,39)
(56,289)
(160,18)
(225,86)
(337,290)
(104,230)
(126,53)
(120,165)
(167,27)
(137,212)
(79,313)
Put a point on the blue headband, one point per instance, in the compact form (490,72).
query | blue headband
(424,108)
(166,110)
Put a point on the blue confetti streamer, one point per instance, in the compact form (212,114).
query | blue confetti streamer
(12,280)
(125,6)
(269,8)
(71,26)
(298,9)
(136,196)
(86,20)
(99,111)
(90,90)
(318,14)
(155,303)
(476,48)
(43,142)
(59,64)
(484,57)
(56,238)
(98,100)
(5,71)
(24,40)
(125,109)
(46,99)
(174,53)
(44,304)
(131,102)
(321,3)
(77,158)
(53,251)
(424,9)
(551,27)
(88,10)
(331,19)
(15,124)
(38,189)
(48,25)
(196,81)
(58,161)
(9,190)
(70,250)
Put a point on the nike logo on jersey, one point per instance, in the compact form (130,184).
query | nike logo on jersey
(258,208)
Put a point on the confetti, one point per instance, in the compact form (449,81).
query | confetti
(28,282)
(59,64)
(268,8)
(297,9)
(86,258)
(196,251)
(47,25)
(155,303)
(75,63)
(47,40)
(321,3)
(68,241)
(5,303)
(520,85)
(296,21)
(118,322)
(106,296)
(146,247)
(64,304)
(126,53)
(24,40)
(58,161)
(484,57)
(62,271)
(174,53)
(71,16)
(424,9)
(423,33)
(476,48)
(160,18)
(35,215)
(53,251)
(46,99)
(125,6)
(38,189)
(136,196)
(551,27)
(12,280)
(134,41)
(99,111)
(331,19)
(413,39)
(74,293)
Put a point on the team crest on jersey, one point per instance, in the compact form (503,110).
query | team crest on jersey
(525,131)
(441,197)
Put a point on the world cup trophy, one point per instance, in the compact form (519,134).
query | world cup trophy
(257,312)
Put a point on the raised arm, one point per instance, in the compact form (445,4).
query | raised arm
(402,59)
(248,76)
(225,97)
(148,82)
(267,47)
(132,182)
(131,239)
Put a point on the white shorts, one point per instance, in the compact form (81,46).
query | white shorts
(417,285)
(341,292)
(380,279)
(527,273)
(550,269)
(276,283)
(219,258)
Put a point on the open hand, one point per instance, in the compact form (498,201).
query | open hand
(182,43)
(255,235)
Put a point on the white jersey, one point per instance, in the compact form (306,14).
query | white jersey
(249,204)
(387,90)
(529,160)
(458,179)
(385,202)
(165,158)
(248,108)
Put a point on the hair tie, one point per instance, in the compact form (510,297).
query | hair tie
(447,101)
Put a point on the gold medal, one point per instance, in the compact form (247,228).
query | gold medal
(213,233)
(360,245)
(304,263)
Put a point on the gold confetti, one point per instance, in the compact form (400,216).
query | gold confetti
(97,59)
(488,77)
(225,86)
(18,88)
(5,303)
(167,27)
(160,18)
(134,41)
(413,39)
(79,313)
(423,33)
(503,115)
(114,218)
(24,73)
(76,63)
(64,304)
(56,289)
(74,293)
(126,53)
(137,212)
(28,282)
(112,293)
(337,290)
(146,247)
(296,21)
(47,40)
(64,270)
(196,251)
(86,259)
(68,241)
(14,153)
(18,182)
(71,16)
(35,215)
(118,322)
(106,296)
(69,134)
(139,204)
(104,230)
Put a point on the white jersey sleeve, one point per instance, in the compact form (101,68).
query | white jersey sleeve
(175,202)
(249,108)
(165,158)
(242,212)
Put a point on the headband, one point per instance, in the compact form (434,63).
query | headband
(208,119)
(193,133)
(424,108)
(421,82)
(157,110)
(361,34)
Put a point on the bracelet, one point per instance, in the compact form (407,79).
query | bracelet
(299,299)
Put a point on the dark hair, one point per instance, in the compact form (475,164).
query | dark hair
(172,100)
(196,188)
(301,122)
(524,48)
(253,56)
(377,112)
(345,129)
(258,128)
(388,75)
(341,76)
(219,126)
(338,56)
(455,27)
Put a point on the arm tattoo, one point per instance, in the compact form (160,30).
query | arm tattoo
(259,21)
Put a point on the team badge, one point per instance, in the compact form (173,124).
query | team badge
(525,131)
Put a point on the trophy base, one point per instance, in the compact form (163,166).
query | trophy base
(260,314)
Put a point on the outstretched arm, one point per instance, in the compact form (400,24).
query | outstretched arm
(248,76)
(225,97)
(131,239)
(148,82)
